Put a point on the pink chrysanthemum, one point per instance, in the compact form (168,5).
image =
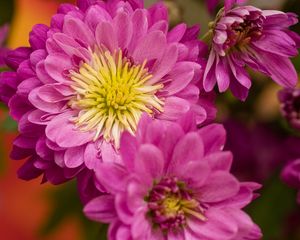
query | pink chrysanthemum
(175,184)
(90,76)
(247,36)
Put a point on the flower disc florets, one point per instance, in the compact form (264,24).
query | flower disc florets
(248,36)
(169,203)
(112,93)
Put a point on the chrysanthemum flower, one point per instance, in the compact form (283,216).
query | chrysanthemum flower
(173,183)
(291,175)
(259,39)
(290,106)
(90,76)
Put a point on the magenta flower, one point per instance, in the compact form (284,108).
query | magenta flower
(248,36)
(290,106)
(291,175)
(175,184)
(212,4)
(90,76)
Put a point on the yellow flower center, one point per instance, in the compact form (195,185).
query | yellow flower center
(111,94)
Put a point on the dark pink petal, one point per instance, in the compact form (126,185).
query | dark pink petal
(101,209)
(18,106)
(15,57)
(38,36)
(26,86)
(28,171)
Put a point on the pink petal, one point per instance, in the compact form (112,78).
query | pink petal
(128,150)
(189,148)
(101,209)
(63,132)
(74,157)
(219,225)
(78,30)
(150,47)
(123,28)
(220,160)
(174,108)
(106,36)
(219,186)
(214,137)
(57,65)
(149,161)
(112,176)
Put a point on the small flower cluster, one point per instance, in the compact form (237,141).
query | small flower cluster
(108,94)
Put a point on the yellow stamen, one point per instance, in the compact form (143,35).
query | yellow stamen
(111,94)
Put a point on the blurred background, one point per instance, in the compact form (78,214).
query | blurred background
(260,138)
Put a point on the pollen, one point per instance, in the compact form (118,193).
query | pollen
(111,94)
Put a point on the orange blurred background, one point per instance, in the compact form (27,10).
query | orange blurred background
(24,206)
